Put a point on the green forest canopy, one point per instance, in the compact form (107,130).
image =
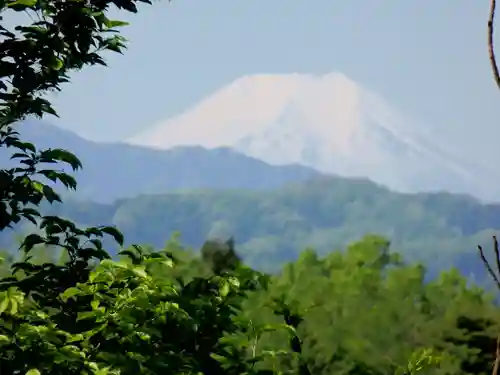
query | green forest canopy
(364,311)
(273,227)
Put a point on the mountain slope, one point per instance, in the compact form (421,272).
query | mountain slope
(271,227)
(112,171)
(327,122)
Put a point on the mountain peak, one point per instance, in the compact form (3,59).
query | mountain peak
(251,103)
(328,122)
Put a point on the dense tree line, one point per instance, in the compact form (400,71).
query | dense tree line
(364,310)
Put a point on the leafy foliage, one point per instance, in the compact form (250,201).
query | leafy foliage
(125,320)
(88,314)
(34,59)
(153,312)
(362,311)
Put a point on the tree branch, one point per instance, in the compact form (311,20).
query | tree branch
(491,44)
(496,365)
(494,276)
(496,77)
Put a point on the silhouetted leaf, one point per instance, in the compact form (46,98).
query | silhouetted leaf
(50,194)
(32,240)
(115,233)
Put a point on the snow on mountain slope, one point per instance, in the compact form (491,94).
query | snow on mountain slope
(327,122)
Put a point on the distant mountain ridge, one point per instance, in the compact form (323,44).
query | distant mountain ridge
(329,123)
(274,226)
(116,170)
(273,212)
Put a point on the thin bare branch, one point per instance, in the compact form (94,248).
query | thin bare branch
(494,275)
(488,267)
(491,43)
(496,366)
(496,77)
(497,254)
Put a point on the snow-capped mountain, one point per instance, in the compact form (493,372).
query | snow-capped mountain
(327,122)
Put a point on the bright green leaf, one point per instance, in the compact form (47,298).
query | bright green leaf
(56,64)
(26,3)
(69,293)
(140,271)
(224,289)
(37,186)
(115,23)
(4,304)
(94,304)
(13,306)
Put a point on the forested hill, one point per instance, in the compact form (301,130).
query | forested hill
(271,227)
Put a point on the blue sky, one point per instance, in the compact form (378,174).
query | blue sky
(427,58)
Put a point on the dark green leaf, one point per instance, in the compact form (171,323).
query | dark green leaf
(31,240)
(50,194)
(115,233)
(54,155)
